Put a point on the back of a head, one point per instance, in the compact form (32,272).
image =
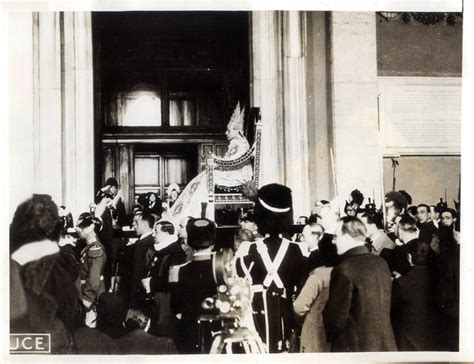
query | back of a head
(407,196)
(148,218)
(419,251)
(109,309)
(135,319)
(407,220)
(87,219)
(201,233)
(374,217)
(166,227)
(35,219)
(354,227)
(399,200)
(313,219)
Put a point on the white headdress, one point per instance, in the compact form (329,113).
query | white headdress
(237,119)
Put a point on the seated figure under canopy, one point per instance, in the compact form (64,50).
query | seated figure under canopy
(228,178)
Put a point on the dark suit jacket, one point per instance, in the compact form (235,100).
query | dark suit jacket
(139,265)
(447,293)
(158,270)
(141,342)
(165,258)
(357,314)
(427,230)
(417,323)
(195,283)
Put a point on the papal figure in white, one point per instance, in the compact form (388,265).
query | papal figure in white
(228,177)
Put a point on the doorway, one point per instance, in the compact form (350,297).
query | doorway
(165,85)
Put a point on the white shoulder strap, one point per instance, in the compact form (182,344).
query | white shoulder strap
(272,266)
(173,276)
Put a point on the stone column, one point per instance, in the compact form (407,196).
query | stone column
(266,92)
(51,122)
(78,112)
(295,119)
(354,104)
(20,101)
(47,140)
(279,89)
(318,107)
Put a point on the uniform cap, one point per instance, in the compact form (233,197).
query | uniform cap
(201,233)
(275,198)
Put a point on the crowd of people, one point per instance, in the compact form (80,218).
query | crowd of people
(361,279)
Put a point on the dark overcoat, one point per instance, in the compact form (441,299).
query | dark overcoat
(418,324)
(141,247)
(357,314)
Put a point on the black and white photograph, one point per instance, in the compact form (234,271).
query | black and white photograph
(207,178)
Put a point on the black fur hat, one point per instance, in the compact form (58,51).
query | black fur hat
(274,209)
(201,233)
(275,198)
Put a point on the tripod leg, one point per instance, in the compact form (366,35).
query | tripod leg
(228,347)
(255,348)
(247,347)
(217,345)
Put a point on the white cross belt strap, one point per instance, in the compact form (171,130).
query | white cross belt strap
(272,266)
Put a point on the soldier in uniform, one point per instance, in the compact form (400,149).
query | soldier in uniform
(275,267)
(93,259)
(190,284)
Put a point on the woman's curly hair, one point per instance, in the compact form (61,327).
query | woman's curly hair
(35,219)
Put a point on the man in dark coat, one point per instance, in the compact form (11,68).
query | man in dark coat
(447,291)
(357,314)
(139,341)
(167,252)
(418,324)
(190,284)
(424,223)
(142,251)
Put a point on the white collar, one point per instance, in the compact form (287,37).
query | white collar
(165,243)
(34,251)
(146,234)
(203,252)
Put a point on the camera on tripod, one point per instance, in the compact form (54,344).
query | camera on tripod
(232,306)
